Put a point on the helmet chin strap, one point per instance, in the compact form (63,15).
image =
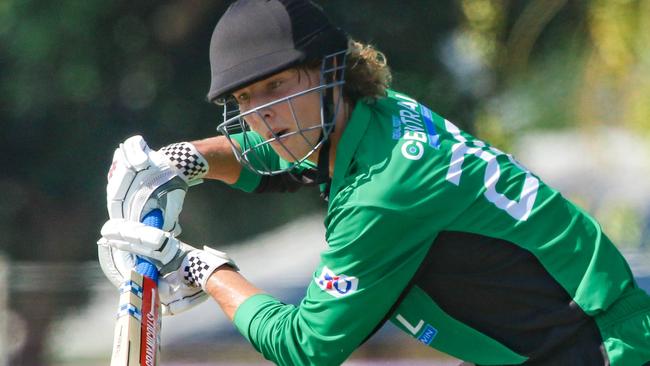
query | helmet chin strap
(329,114)
(324,169)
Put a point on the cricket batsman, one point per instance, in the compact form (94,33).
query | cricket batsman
(428,227)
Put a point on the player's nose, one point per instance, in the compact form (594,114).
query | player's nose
(260,120)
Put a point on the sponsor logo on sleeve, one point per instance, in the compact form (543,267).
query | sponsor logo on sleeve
(336,285)
(415,127)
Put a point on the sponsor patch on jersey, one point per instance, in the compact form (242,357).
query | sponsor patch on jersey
(336,285)
(397,128)
(428,334)
(416,126)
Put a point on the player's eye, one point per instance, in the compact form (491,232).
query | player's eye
(243,99)
(275,84)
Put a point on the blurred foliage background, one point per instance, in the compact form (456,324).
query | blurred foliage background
(78,77)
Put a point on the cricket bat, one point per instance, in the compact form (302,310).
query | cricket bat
(137,331)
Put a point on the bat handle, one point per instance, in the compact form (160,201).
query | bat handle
(144,266)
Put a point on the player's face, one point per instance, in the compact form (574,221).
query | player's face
(293,125)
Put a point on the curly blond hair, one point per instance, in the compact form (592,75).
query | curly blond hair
(367,74)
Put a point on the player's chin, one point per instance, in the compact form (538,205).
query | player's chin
(295,146)
(288,152)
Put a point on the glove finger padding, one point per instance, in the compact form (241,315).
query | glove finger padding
(116,264)
(138,238)
(141,179)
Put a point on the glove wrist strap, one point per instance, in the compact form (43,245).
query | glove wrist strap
(187,160)
(200,264)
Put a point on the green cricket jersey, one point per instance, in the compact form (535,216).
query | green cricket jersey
(451,239)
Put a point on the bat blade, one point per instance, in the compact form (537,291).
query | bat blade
(127,337)
(150,329)
(136,341)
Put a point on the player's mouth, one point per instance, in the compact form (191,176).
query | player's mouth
(277,134)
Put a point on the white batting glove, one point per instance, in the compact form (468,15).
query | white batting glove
(184,269)
(137,238)
(198,265)
(141,179)
(183,286)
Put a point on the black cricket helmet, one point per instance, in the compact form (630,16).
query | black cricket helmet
(256,39)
